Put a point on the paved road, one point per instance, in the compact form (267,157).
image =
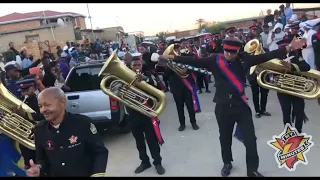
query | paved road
(197,153)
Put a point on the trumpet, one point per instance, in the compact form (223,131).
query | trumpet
(178,68)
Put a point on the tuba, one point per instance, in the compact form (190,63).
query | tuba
(273,75)
(13,125)
(122,83)
(181,71)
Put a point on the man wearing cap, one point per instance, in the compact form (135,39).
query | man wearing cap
(253,34)
(260,104)
(292,104)
(184,91)
(230,32)
(199,52)
(28,89)
(307,51)
(231,102)
(316,44)
(13,73)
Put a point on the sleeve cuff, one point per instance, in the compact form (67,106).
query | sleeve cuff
(295,67)
(99,175)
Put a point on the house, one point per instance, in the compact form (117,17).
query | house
(244,23)
(40,26)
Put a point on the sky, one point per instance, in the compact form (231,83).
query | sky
(152,18)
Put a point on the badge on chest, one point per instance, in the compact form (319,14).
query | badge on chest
(73,141)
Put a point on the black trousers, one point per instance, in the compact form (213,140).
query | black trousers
(202,79)
(292,105)
(227,115)
(142,129)
(165,80)
(259,93)
(183,96)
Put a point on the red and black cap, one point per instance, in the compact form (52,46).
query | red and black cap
(294,26)
(230,30)
(26,83)
(253,28)
(231,45)
(284,42)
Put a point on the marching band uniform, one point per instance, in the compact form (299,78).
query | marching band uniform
(231,102)
(259,94)
(290,103)
(146,128)
(316,47)
(198,52)
(184,91)
(74,148)
(32,102)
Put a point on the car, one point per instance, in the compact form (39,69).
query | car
(85,97)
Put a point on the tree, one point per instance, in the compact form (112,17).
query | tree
(200,22)
(161,36)
(216,28)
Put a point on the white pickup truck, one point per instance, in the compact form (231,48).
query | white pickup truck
(85,97)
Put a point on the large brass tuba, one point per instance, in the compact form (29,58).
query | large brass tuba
(181,71)
(273,75)
(121,83)
(13,125)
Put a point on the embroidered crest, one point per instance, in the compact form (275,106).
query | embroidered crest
(93,128)
(73,139)
(50,145)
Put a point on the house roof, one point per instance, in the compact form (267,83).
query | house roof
(19,17)
(244,19)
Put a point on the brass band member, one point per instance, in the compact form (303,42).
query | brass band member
(231,102)
(66,144)
(290,103)
(143,128)
(202,79)
(28,91)
(296,108)
(259,94)
(184,91)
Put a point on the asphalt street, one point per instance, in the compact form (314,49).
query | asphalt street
(197,153)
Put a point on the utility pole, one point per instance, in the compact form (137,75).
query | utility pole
(45,19)
(90,22)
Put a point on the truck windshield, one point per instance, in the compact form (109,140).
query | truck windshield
(84,79)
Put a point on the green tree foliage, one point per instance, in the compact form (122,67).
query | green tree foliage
(162,36)
(216,28)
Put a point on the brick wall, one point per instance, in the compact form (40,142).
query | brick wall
(33,48)
(19,26)
(81,22)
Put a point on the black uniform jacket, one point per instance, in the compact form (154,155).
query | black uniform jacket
(32,102)
(137,116)
(225,92)
(316,48)
(74,149)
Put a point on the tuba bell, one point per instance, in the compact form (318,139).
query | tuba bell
(121,83)
(12,124)
(273,75)
(181,71)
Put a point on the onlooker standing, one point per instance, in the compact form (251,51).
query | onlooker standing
(11,53)
(283,19)
(288,12)
(276,35)
(26,62)
(269,17)
(264,36)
